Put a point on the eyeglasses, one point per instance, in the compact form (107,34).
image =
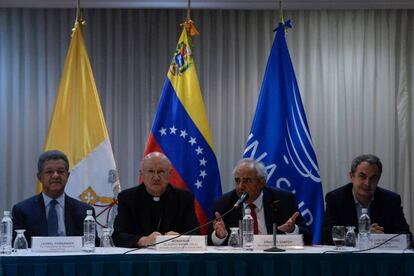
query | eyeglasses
(160,173)
(246,180)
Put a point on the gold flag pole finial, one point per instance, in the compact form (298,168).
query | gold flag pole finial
(189,24)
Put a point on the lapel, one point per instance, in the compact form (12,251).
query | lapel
(232,219)
(377,212)
(349,207)
(168,214)
(142,215)
(269,213)
(69,222)
(40,204)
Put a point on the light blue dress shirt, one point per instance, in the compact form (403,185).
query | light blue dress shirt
(60,211)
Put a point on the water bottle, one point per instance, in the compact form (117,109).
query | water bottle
(6,232)
(248,234)
(364,236)
(89,230)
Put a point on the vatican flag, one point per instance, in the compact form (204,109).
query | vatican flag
(77,127)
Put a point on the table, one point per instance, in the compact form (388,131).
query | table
(214,261)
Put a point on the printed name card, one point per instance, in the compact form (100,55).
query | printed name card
(262,242)
(192,243)
(398,243)
(56,244)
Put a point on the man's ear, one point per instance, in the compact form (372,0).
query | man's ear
(263,180)
(351,175)
(38,176)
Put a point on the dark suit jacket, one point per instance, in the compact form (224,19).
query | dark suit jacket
(385,210)
(279,206)
(30,214)
(133,219)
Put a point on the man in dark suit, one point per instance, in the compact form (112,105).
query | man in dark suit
(35,214)
(270,205)
(154,207)
(344,205)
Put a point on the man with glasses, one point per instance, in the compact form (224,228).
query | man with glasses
(268,205)
(153,208)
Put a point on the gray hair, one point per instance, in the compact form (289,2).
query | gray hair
(259,167)
(51,155)
(369,158)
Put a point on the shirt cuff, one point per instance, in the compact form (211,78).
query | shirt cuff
(216,240)
(295,231)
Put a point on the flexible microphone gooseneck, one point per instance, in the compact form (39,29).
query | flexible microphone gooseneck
(239,202)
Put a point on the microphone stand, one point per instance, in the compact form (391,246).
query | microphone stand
(275,206)
(274,248)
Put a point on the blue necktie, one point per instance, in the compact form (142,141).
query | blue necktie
(52,219)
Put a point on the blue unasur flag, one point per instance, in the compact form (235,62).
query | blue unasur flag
(181,132)
(280,136)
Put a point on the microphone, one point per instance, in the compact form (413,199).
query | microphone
(242,199)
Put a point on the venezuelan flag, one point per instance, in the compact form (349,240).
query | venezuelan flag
(77,127)
(181,132)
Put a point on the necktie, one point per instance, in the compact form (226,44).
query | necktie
(52,219)
(254,216)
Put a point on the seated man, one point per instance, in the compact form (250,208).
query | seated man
(344,205)
(269,204)
(52,212)
(154,208)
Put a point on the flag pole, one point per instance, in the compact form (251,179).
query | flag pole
(281,18)
(78,19)
(188,10)
(77,10)
(189,24)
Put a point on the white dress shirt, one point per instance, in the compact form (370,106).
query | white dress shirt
(261,221)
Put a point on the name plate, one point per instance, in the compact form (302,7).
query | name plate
(398,243)
(192,243)
(56,244)
(262,242)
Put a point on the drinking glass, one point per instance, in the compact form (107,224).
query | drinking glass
(20,243)
(338,236)
(234,239)
(106,239)
(350,237)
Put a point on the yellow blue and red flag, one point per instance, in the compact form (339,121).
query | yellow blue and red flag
(181,132)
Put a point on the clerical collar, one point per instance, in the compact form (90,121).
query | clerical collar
(156,198)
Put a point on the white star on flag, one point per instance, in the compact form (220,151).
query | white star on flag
(203,162)
(173,129)
(163,131)
(192,141)
(183,133)
(198,184)
(203,174)
(199,150)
